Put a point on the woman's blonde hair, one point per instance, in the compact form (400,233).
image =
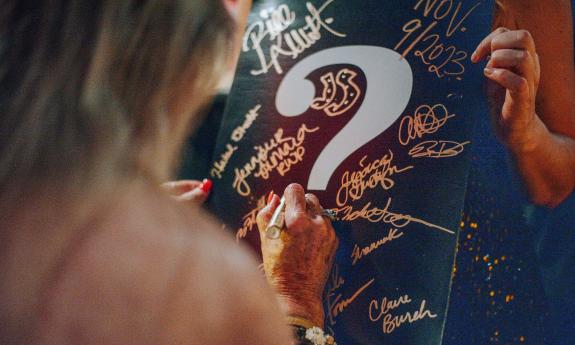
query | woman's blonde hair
(86,85)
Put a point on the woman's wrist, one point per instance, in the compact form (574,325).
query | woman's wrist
(303,309)
(529,139)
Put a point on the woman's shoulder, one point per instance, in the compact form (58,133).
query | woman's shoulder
(152,270)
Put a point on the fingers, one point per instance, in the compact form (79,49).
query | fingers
(520,61)
(516,84)
(313,205)
(266,213)
(513,64)
(517,39)
(504,38)
(296,207)
(197,196)
(484,48)
(176,188)
(191,191)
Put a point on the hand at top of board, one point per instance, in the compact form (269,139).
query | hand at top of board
(297,264)
(514,67)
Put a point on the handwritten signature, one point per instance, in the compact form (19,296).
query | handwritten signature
(335,302)
(385,215)
(219,166)
(278,154)
(250,219)
(437,149)
(239,133)
(340,93)
(371,175)
(293,43)
(381,311)
(426,120)
(359,253)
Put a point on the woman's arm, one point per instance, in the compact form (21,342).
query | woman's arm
(537,123)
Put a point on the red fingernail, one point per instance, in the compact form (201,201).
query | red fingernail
(206,186)
(270,196)
(488,71)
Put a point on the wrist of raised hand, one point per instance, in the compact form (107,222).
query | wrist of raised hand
(527,139)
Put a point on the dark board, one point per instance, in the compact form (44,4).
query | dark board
(369,104)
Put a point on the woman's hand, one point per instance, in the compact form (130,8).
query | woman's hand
(297,264)
(514,66)
(189,191)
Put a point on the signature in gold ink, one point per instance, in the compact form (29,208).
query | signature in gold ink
(437,149)
(335,302)
(427,120)
(292,43)
(381,311)
(220,166)
(337,98)
(334,282)
(278,154)
(385,215)
(239,133)
(250,219)
(359,253)
(371,175)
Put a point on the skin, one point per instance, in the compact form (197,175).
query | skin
(297,264)
(131,265)
(533,94)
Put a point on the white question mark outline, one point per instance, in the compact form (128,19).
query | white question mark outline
(389,87)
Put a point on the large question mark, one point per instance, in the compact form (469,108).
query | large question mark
(389,87)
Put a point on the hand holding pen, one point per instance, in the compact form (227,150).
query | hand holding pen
(298,258)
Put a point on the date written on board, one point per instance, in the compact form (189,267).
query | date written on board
(441,58)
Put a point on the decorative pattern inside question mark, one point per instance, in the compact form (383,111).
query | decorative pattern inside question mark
(389,88)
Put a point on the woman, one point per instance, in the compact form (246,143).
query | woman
(531,57)
(531,63)
(95,100)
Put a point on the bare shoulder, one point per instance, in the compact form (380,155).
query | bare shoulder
(153,270)
(221,298)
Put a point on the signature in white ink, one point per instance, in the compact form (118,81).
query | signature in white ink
(340,93)
(274,28)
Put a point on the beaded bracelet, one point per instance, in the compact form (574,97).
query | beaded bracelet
(308,334)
